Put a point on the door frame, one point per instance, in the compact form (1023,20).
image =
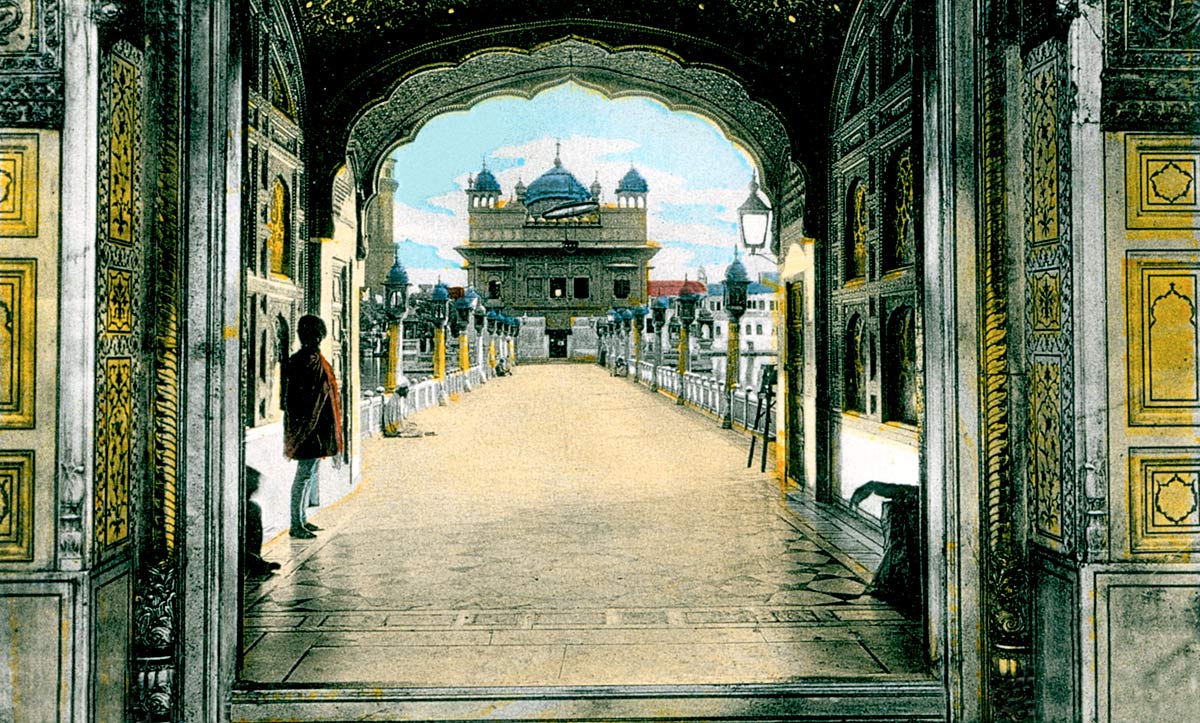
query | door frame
(213,459)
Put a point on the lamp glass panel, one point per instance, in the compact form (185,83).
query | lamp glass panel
(754,229)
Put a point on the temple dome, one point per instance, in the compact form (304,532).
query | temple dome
(554,187)
(398,275)
(485,181)
(632,182)
(736,271)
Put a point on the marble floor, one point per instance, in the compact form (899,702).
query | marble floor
(563,527)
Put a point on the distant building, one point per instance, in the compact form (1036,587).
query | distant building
(555,274)
(758,340)
(672,288)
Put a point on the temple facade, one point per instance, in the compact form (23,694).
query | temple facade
(556,273)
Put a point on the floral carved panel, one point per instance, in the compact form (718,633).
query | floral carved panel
(1165,491)
(121,289)
(1162,173)
(1049,284)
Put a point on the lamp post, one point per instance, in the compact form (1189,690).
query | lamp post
(704,322)
(510,336)
(687,315)
(516,332)
(639,317)
(627,327)
(659,311)
(462,313)
(396,307)
(493,318)
(737,281)
(613,319)
(479,312)
(754,222)
(439,311)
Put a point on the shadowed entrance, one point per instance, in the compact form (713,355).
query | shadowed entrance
(562,527)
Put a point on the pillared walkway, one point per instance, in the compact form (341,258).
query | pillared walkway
(562,527)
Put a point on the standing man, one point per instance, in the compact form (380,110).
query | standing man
(312,417)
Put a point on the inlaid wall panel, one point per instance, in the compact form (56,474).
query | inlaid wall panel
(31,63)
(121,289)
(16,505)
(18,342)
(1165,498)
(29,252)
(1048,325)
(1161,182)
(19,185)
(1164,371)
(1154,355)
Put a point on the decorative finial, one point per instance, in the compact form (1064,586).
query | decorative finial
(557,153)
(754,182)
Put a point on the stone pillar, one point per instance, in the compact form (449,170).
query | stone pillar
(684,349)
(439,353)
(395,349)
(464,352)
(732,358)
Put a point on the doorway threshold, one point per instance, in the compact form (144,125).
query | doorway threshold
(862,701)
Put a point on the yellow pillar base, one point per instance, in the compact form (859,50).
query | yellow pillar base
(439,354)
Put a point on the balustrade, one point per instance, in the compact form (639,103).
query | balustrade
(702,392)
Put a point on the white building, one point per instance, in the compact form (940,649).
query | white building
(758,340)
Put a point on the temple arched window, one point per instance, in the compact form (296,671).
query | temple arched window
(901,375)
(280,97)
(854,372)
(279,230)
(897,33)
(899,247)
(857,225)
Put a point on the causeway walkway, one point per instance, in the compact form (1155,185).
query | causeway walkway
(561,527)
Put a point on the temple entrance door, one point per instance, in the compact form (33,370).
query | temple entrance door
(558,343)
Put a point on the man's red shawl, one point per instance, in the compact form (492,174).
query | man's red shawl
(312,411)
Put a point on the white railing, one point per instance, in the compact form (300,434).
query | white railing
(702,392)
(377,410)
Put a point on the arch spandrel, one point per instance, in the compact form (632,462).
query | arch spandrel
(616,73)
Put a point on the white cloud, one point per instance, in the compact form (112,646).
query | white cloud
(578,154)
(672,262)
(451,276)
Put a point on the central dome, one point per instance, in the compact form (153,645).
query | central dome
(554,187)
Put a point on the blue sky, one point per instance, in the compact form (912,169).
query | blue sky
(697,177)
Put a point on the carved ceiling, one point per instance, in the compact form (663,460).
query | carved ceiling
(784,52)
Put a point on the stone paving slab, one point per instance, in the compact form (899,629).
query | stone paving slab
(562,527)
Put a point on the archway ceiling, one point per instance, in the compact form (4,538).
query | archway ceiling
(783,51)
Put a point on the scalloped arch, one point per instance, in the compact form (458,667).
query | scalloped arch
(420,97)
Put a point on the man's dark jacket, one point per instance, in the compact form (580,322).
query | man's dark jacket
(312,413)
